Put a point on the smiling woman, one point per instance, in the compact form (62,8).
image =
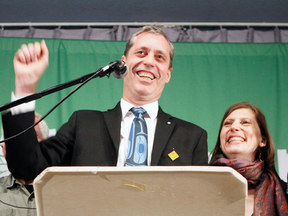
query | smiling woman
(240,136)
(244,143)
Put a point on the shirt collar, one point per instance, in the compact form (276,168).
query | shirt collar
(151,108)
(11,182)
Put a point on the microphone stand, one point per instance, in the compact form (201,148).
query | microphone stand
(107,70)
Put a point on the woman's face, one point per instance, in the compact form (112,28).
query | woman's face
(240,135)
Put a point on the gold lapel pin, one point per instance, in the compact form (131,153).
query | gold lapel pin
(173,155)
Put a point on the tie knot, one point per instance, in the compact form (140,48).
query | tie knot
(138,110)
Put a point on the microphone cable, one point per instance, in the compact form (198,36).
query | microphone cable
(14,206)
(53,108)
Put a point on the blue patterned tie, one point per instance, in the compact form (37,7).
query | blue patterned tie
(138,141)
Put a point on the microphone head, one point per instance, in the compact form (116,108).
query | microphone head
(120,70)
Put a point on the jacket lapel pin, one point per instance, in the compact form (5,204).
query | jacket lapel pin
(173,155)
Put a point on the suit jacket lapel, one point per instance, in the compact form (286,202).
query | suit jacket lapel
(113,122)
(163,132)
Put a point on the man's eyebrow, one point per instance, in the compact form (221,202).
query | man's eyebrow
(158,51)
(142,47)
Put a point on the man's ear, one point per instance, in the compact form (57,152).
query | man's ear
(168,75)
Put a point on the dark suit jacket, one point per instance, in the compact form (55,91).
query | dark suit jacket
(91,138)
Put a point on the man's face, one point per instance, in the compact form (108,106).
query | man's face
(148,61)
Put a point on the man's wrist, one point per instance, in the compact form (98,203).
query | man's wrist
(22,108)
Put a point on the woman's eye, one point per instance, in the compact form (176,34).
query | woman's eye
(227,123)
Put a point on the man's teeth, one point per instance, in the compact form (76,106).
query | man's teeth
(234,139)
(146,75)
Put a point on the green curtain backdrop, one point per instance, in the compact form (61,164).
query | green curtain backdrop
(206,79)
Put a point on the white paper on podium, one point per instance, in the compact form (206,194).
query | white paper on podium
(147,191)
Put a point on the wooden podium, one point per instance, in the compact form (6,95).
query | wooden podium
(140,191)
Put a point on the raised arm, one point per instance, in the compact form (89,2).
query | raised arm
(30,62)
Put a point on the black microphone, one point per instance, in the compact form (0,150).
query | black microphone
(119,69)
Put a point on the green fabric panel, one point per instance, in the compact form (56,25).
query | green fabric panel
(206,79)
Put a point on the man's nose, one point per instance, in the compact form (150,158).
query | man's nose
(149,60)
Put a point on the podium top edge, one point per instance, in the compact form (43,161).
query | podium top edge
(82,170)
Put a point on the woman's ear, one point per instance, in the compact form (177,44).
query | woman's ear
(263,142)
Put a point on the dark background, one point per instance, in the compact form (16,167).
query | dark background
(144,11)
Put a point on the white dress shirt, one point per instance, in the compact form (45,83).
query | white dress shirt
(127,117)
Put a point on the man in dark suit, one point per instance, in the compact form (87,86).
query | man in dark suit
(93,138)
